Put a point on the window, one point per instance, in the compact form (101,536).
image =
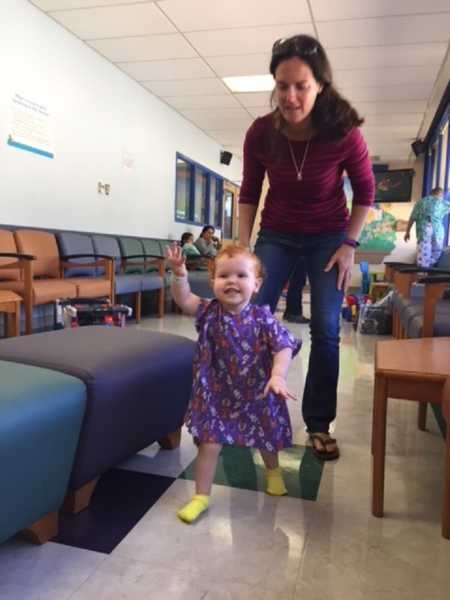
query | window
(183,189)
(198,197)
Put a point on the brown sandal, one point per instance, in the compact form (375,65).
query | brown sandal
(325,441)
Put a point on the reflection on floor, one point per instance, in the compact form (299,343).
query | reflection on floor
(250,545)
(243,468)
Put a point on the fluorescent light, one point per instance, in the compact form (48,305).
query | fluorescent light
(251,83)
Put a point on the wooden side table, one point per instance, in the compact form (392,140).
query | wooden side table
(417,370)
(10,304)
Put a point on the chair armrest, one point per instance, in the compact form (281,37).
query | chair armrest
(435,279)
(429,270)
(96,256)
(18,256)
(397,264)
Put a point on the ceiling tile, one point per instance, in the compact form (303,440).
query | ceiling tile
(227,42)
(212,101)
(225,113)
(403,107)
(163,70)
(393,119)
(387,92)
(69,4)
(114,21)
(388,56)
(229,136)
(389,132)
(187,87)
(205,121)
(255,99)
(374,77)
(197,15)
(324,10)
(149,47)
(382,31)
(235,66)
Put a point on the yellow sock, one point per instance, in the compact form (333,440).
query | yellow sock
(275,483)
(193,509)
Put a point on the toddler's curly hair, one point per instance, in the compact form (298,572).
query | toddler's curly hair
(236,249)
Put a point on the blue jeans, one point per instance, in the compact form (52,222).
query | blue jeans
(279,253)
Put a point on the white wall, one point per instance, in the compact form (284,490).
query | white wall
(99,114)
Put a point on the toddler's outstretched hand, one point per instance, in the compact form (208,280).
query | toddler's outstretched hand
(176,259)
(277,385)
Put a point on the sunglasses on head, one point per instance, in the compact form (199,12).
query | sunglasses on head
(303,47)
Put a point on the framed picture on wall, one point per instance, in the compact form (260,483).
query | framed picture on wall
(394,186)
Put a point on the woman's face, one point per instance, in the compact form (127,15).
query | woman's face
(208,235)
(296,90)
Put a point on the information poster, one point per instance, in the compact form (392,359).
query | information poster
(31,127)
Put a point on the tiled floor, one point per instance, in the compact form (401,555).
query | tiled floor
(250,545)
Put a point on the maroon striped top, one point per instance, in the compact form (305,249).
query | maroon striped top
(317,203)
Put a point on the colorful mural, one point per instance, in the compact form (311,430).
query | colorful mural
(379,232)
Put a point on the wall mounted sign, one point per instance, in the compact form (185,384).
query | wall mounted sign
(30,127)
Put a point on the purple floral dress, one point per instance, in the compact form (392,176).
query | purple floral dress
(232,366)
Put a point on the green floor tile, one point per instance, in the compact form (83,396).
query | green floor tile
(243,468)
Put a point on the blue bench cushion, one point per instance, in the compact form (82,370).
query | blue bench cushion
(41,412)
(138,387)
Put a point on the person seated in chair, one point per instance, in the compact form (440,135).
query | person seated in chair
(188,247)
(205,242)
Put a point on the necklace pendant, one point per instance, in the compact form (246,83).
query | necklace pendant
(299,176)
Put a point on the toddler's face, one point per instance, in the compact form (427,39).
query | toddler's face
(235,282)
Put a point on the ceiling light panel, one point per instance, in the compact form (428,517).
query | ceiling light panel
(249,83)
(162,70)
(324,10)
(114,21)
(227,42)
(187,87)
(196,15)
(388,30)
(149,47)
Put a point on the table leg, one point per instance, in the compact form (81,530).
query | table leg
(379,444)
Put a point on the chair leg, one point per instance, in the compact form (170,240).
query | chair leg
(379,445)
(446,506)
(422,416)
(138,308)
(161,303)
(43,530)
(28,317)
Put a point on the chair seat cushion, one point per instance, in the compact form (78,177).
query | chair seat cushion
(91,288)
(48,290)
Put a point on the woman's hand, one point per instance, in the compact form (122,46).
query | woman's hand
(277,385)
(344,258)
(176,260)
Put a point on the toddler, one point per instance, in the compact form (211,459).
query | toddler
(240,367)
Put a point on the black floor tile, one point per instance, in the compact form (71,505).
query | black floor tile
(120,500)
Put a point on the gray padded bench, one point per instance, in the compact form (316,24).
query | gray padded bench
(138,387)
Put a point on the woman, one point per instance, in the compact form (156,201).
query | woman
(428,214)
(305,145)
(187,244)
(206,243)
